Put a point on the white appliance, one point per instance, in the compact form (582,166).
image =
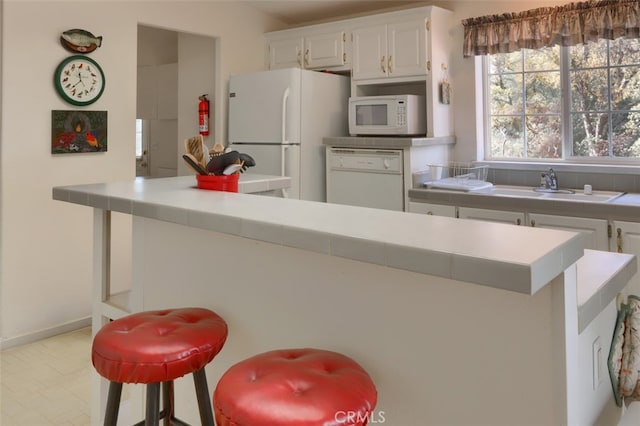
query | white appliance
(365,177)
(279,117)
(387,115)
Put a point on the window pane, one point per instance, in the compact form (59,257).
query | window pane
(589,90)
(589,55)
(543,92)
(507,137)
(544,136)
(542,60)
(625,88)
(624,51)
(138,137)
(590,134)
(505,94)
(505,62)
(626,135)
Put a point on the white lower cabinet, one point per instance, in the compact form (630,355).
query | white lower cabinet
(432,209)
(593,231)
(626,239)
(513,218)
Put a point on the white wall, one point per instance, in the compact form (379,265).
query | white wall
(45,245)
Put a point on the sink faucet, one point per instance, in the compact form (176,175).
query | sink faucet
(550,179)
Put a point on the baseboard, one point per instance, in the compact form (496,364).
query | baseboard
(44,334)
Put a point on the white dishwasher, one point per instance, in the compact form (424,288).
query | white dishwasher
(365,177)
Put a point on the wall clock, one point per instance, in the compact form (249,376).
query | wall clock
(79,80)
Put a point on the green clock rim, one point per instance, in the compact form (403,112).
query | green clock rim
(58,85)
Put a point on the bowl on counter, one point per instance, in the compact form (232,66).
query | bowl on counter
(219,182)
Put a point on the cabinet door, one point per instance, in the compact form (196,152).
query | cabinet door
(324,50)
(432,209)
(626,239)
(285,53)
(593,231)
(513,218)
(406,47)
(369,52)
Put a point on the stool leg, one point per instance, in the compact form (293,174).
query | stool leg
(202,392)
(113,404)
(153,404)
(167,402)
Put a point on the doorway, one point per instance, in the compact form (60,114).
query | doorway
(174,68)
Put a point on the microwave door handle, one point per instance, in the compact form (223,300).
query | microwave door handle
(285,97)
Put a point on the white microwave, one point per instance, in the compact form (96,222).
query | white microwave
(387,115)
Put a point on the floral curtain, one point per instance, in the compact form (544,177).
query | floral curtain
(567,25)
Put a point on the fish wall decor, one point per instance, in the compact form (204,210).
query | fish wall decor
(80,41)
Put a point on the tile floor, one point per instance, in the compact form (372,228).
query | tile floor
(47,382)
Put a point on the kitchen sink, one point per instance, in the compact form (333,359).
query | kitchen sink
(564,195)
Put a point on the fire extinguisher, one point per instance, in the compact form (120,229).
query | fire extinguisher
(203,115)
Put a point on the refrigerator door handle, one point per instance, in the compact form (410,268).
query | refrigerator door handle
(285,97)
(283,164)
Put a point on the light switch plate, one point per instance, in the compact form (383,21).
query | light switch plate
(598,361)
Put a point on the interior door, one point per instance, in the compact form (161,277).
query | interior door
(259,101)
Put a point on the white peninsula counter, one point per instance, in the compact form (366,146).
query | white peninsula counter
(458,322)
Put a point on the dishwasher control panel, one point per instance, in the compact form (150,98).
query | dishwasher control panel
(366,160)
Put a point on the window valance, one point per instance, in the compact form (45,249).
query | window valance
(566,25)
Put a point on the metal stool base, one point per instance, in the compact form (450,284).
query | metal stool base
(153,413)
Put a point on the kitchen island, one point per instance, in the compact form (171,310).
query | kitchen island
(457,321)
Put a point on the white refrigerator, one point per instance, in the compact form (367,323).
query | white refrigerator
(279,117)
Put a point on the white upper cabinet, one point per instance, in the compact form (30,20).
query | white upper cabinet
(286,53)
(325,50)
(311,51)
(390,50)
(370,52)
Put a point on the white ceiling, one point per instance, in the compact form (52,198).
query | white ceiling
(296,12)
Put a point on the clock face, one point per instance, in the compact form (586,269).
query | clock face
(79,80)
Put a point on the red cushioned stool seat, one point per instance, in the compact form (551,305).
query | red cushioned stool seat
(295,387)
(157,347)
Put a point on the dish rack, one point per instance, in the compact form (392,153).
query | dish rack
(458,176)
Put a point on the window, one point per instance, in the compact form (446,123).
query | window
(580,102)
(139,138)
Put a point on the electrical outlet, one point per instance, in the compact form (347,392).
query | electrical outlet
(598,363)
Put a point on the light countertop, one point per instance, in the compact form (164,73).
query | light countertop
(489,254)
(626,207)
(601,276)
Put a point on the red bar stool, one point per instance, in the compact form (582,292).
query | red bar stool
(295,387)
(157,347)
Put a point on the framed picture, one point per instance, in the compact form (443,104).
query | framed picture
(76,131)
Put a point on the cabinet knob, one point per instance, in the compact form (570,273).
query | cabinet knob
(306,58)
(383,65)
(299,59)
(390,65)
(533,223)
(518,221)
